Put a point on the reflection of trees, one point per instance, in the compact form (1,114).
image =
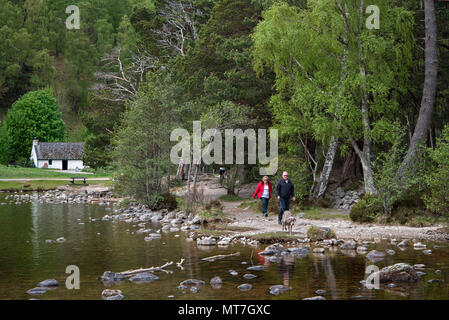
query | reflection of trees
(330,276)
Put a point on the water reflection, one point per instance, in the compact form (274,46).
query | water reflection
(97,246)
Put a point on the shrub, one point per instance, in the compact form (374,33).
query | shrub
(367,209)
(125,202)
(168,201)
(214,204)
(437,180)
(212,215)
(315,233)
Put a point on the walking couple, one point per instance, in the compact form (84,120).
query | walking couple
(285,190)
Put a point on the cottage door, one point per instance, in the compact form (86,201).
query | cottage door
(64,164)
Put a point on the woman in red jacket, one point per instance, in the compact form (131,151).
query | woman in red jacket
(263,192)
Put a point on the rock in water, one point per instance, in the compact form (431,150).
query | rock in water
(249,276)
(245,287)
(256,268)
(38,290)
(320,292)
(116,297)
(399,272)
(301,251)
(215,281)
(207,242)
(362,249)
(375,255)
(419,245)
(48,283)
(349,245)
(278,289)
(435,281)
(192,282)
(143,277)
(112,276)
(404,243)
(274,249)
(110,293)
(315,298)
(318,250)
(194,289)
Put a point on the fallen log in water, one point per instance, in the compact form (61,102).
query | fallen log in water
(221,256)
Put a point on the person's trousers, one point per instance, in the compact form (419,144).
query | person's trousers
(264,205)
(284,204)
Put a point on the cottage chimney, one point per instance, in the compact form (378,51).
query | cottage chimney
(35,142)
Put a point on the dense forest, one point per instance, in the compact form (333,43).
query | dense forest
(356,107)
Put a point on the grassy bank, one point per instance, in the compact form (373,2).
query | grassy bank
(22,173)
(272,237)
(43,185)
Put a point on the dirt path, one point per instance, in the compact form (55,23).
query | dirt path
(344,229)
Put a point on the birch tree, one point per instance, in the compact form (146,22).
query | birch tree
(340,78)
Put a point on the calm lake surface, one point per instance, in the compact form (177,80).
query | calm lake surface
(97,246)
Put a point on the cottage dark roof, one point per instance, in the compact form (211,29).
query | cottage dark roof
(59,150)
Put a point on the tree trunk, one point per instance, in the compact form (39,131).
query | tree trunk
(429,90)
(327,168)
(365,154)
(350,167)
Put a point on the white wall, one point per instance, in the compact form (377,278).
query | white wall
(34,157)
(56,164)
(72,164)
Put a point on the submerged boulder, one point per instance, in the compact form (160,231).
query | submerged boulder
(375,255)
(278,289)
(245,287)
(112,276)
(315,298)
(143,277)
(192,282)
(48,283)
(108,293)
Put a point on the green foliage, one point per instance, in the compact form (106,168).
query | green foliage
(318,53)
(141,151)
(34,115)
(125,202)
(437,179)
(317,234)
(212,215)
(367,209)
(166,201)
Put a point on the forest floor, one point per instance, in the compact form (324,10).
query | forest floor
(241,215)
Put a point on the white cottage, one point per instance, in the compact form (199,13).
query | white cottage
(57,155)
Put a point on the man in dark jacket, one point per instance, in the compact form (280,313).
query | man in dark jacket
(284,191)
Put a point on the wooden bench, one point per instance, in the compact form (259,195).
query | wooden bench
(73,179)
